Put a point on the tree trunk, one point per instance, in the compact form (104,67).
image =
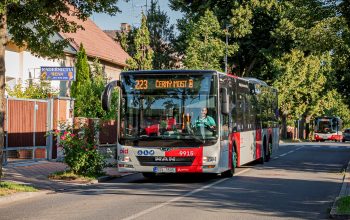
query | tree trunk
(284,126)
(3,41)
(308,127)
(302,128)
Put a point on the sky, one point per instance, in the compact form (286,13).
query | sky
(131,13)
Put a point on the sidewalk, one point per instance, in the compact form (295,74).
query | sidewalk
(345,191)
(36,174)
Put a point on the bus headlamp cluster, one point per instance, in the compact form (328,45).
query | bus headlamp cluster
(124,159)
(209,159)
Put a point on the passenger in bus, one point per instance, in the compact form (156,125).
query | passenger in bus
(205,120)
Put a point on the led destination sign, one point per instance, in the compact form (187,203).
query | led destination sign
(142,84)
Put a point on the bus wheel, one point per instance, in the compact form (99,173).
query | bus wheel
(149,175)
(268,152)
(262,158)
(230,172)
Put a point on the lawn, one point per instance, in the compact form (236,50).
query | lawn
(70,176)
(343,205)
(7,188)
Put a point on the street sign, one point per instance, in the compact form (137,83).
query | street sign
(57,73)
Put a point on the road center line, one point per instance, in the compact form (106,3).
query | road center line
(144,212)
(285,154)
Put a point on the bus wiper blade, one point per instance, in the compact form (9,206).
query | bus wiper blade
(195,137)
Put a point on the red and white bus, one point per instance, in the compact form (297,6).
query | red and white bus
(159,114)
(328,128)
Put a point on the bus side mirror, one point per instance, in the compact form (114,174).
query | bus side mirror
(234,129)
(107,94)
(224,101)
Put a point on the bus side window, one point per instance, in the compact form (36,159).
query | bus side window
(234,113)
(252,111)
(240,107)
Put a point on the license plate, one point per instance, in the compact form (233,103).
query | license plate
(164,169)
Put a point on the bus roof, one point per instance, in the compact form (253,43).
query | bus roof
(256,81)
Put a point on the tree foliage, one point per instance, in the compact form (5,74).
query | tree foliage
(143,56)
(81,89)
(161,36)
(41,90)
(300,95)
(88,87)
(205,48)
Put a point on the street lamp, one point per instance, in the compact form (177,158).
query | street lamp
(226,46)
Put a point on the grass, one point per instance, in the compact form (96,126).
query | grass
(7,188)
(343,205)
(70,176)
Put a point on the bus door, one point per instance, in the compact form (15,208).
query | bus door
(224,127)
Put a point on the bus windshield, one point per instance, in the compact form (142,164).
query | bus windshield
(326,125)
(178,109)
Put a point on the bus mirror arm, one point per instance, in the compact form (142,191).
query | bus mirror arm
(107,94)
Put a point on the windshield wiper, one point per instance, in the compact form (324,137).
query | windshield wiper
(192,135)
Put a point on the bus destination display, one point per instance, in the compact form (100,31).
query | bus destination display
(142,84)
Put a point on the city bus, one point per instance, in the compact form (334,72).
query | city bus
(161,128)
(328,128)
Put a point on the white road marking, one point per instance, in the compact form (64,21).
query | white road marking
(144,212)
(285,154)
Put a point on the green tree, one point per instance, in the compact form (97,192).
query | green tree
(252,23)
(33,24)
(88,87)
(143,57)
(298,95)
(161,36)
(98,83)
(81,89)
(205,48)
(343,78)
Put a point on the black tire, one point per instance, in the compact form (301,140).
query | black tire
(268,151)
(343,140)
(261,160)
(229,173)
(149,175)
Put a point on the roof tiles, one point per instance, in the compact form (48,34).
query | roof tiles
(96,42)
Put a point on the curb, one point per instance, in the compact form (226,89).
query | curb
(102,179)
(345,191)
(21,196)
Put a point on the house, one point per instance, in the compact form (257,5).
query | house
(124,27)
(22,66)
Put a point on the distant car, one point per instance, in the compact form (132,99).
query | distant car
(346,135)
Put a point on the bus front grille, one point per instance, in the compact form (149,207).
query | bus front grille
(165,161)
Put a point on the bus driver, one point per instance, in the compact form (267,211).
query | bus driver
(205,120)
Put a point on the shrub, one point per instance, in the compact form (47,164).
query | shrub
(80,152)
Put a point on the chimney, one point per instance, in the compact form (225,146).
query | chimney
(125,27)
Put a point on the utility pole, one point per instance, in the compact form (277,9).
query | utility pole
(226,46)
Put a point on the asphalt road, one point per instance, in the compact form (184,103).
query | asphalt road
(300,182)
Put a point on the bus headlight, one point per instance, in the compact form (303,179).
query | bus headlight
(209,159)
(124,159)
